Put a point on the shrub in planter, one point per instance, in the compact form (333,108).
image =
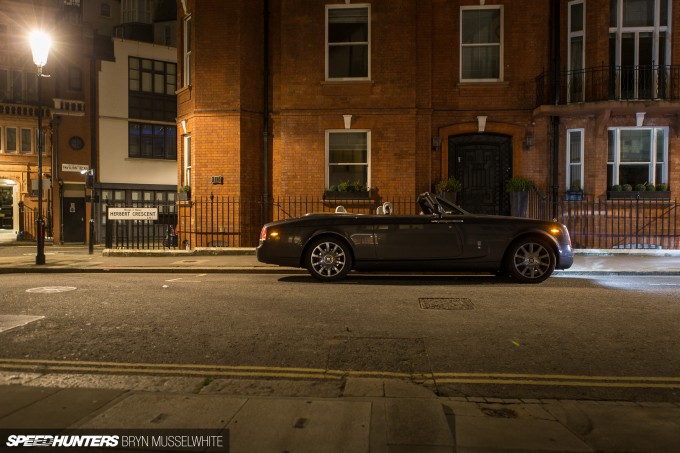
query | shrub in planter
(519,188)
(519,184)
(617,188)
(651,188)
(640,187)
(663,187)
(449,185)
(626,188)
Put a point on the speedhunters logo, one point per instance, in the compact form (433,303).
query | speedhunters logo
(36,440)
(88,440)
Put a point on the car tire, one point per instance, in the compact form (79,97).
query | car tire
(328,259)
(530,260)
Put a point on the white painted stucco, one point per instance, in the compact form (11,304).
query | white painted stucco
(114,164)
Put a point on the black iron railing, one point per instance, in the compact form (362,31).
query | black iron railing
(608,83)
(233,222)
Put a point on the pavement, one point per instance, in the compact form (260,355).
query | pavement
(328,414)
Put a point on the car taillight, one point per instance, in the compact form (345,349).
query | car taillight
(263,234)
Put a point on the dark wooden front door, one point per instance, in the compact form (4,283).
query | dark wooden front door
(73,213)
(482,163)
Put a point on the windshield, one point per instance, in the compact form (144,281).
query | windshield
(450,208)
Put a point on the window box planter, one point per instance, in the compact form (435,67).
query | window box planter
(574,195)
(184,196)
(341,195)
(635,195)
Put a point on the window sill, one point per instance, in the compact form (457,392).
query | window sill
(634,195)
(336,195)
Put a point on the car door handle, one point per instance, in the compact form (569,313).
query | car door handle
(448,221)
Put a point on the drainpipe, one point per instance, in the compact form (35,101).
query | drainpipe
(555,120)
(265,116)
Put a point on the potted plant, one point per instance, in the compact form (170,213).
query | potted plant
(519,188)
(185,193)
(347,190)
(448,189)
(575,193)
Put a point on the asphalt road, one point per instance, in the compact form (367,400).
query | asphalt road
(570,337)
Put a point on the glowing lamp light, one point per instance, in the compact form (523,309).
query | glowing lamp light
(40,47)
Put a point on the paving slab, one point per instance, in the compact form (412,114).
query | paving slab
(15,397)
(57,410)
(167,411)
(300,426)
(413,423)
(624,428)
(489,435)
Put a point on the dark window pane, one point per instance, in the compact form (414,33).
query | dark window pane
(147,140)
(347,25)
(134,140)
(638,13)
(159,141)
(348,61)
(481,26)
(576,17)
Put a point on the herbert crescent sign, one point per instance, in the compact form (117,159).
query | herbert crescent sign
(133,214)
(75,168)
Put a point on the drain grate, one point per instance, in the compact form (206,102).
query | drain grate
(445,303)
(499,413)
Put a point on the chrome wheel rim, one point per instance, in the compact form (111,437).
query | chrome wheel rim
(532,260)
(328,259)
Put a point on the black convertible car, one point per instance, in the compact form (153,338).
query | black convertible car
(443,238)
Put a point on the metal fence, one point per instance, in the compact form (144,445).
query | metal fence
(233,222)
(602,83)
(621,224)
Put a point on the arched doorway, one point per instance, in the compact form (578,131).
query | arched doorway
(482,163)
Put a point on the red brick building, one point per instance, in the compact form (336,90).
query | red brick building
(294,97)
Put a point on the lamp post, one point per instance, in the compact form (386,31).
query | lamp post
(40,47)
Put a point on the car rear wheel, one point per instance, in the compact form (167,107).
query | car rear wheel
(328,259)
(530,260)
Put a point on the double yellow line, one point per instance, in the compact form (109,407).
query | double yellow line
(260,372)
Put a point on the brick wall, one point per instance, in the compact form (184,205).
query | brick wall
(414,94)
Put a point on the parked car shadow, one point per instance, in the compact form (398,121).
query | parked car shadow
(411,279)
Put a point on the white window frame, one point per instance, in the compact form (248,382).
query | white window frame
(575,35)
(27,132)
(17,140)
(580,163)
(186,51)
(186,162)
(655,29)
(353,6)
(500,44)
(652,176)
(368,153)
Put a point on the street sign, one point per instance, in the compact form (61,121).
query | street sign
(74,168)
(133,214)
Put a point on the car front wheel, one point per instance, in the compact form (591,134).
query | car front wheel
(328,259)
(530,260)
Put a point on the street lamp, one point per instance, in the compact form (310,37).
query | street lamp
(40,47)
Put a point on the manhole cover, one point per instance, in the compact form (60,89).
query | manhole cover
(499,413)
(51,289)
(445,303)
